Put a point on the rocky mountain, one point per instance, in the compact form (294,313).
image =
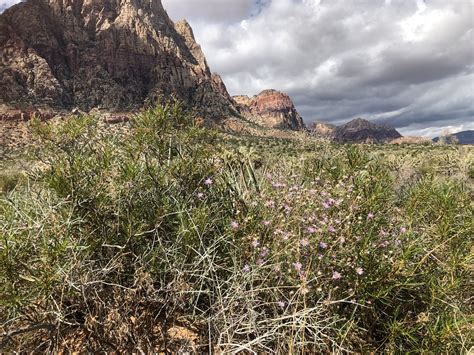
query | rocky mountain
(464,137)
(108,54)
(363,131)
(271,109)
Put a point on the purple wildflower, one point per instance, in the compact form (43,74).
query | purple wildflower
(246,268)
(265,252)
(359,270)
(208,182)
(255,243)
(298,266)
(234,225)
(336,275)
(323,245)
(281,304)
(370,215)
(270,203)
(304,242)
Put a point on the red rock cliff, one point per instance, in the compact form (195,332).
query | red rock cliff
(271,109)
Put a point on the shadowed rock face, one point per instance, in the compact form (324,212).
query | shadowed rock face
(363,131)
(271,109)
(111,54)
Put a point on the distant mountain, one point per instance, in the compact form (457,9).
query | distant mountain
(363,131)
(322,129)
(464,137)
(271,109)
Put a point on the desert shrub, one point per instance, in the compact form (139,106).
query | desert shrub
(124,238)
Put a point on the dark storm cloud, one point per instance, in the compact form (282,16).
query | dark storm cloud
(408,63)
(405,63)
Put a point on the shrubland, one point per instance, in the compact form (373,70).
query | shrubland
(165,236)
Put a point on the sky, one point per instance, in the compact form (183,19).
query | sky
(406,63)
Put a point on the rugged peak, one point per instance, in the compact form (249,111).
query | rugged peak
(359,123)
(110,54)
(361,130)
(272,109)
(184,29)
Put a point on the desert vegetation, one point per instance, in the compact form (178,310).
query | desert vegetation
(167,236)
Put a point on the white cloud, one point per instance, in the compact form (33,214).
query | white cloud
(209,10)
(4,4)
(400,62)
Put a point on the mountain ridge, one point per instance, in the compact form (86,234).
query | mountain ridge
(358,130)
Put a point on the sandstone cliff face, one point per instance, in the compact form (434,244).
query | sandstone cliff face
(110,54)
(271,109)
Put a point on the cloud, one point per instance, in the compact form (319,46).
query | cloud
(4,4)
(227,11)
(407,63)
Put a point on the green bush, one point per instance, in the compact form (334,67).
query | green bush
(123,235)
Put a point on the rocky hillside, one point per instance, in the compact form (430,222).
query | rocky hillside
(109,54)
(271,109)
(363,131)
